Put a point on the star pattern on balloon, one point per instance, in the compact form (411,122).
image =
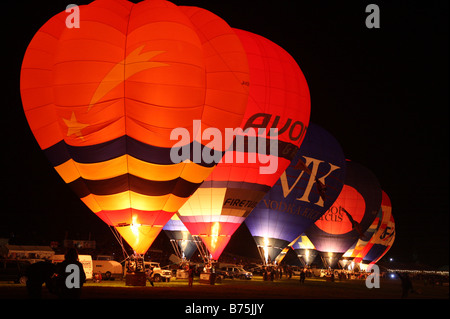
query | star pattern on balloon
(74,127)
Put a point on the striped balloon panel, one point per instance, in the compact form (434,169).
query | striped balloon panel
(383,239)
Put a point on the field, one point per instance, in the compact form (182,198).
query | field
(256,289)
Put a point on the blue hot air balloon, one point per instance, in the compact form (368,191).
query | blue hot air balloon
(304,192)
(305,250)
(182,242)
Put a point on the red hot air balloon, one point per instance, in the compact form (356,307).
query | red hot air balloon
(278,98)
(103,99)
(349,217)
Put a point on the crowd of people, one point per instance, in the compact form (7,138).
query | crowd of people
(55,276)
(427,278)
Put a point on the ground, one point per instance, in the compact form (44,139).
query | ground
(255,289)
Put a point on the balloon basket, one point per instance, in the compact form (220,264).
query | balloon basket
(208,278)
(137,279)
(182,274)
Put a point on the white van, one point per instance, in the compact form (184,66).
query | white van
(85,260)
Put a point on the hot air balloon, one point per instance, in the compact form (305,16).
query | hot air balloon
(349,216)
(103,99)
(278,98)
(182,242)
(353,256)
(304,192)
(304,249)
(383,239)
(368,251)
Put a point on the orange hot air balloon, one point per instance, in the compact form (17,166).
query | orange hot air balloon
(103,99)
(279,98)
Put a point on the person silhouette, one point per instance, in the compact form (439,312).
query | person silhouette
(302,276)
(38,274)
(191,276)
(71,276)
(406,284)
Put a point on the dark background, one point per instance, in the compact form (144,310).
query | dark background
(383,93)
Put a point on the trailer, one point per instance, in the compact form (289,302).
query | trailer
(109,269)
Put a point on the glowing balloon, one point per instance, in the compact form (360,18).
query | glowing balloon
(180,238)
(278,98)
(304,249)
(302,194)
(103,99)
(349,216)
(357,250)
(383,239)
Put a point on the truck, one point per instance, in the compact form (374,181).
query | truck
(153,270)
(236,272)
(158,274)
(14,270)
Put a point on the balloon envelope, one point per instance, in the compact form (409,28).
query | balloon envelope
(179,235)
(304,249)
(333,234)
(278,98)
(296,201)
(383,239)
(102,101)
(358,249)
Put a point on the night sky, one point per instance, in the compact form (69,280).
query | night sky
(383,93)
